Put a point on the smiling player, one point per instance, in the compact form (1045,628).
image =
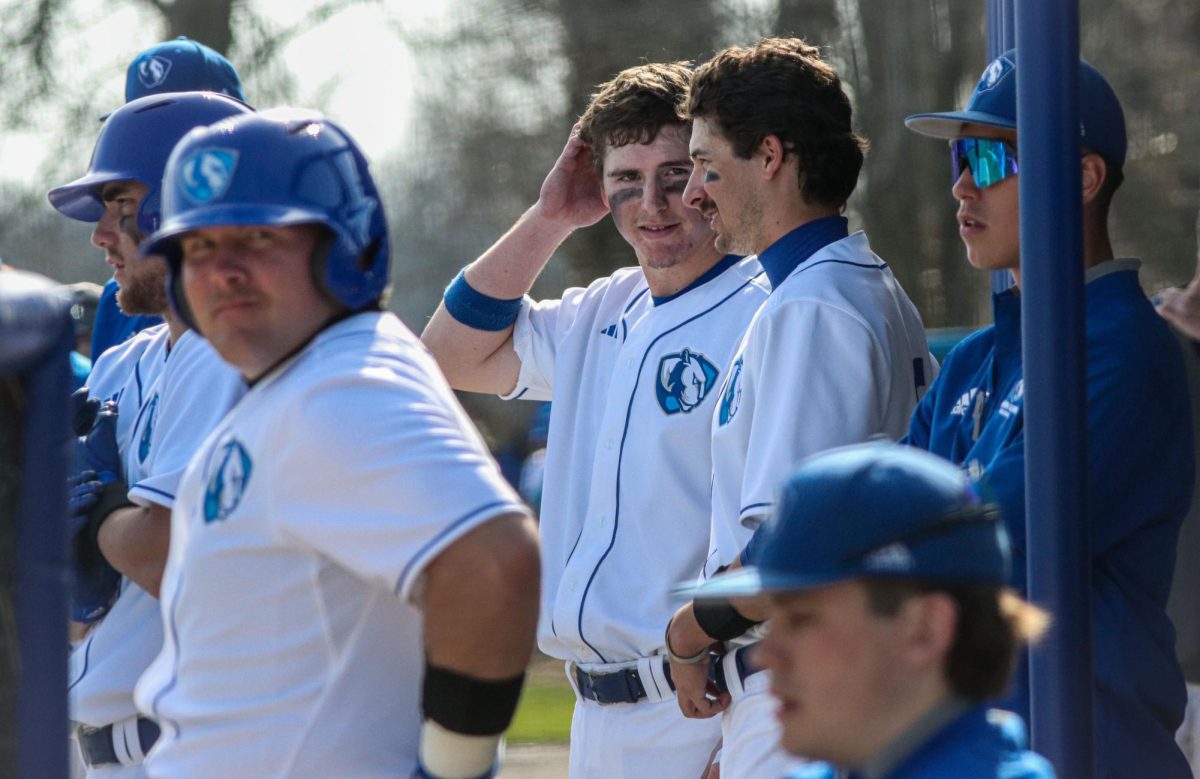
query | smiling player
(632,364)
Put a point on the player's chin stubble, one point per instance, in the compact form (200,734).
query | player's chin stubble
(143,295)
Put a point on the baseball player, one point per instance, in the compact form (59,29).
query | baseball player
(169,388)
(180,65)
(1139,434)
(836,354)
(891,625)
(632,363)
(345,513)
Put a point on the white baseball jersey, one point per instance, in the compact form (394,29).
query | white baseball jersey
(124,373)
(300,533)
(836,354)
(185,389)
(625,500)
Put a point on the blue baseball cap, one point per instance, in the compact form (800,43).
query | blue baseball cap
(181,65)
(876,510)
(994,102)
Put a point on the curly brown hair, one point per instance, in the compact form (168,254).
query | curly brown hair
(782,87)
(633,106)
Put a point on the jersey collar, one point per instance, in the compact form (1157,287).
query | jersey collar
(785,255)
(722,265)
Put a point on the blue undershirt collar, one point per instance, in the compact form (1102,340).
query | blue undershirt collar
(785,255)
(722,265)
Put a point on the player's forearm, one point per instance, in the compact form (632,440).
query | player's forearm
(135,540)
(479,360)
(472,360)
(480,603)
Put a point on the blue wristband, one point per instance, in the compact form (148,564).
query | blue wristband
(477,310)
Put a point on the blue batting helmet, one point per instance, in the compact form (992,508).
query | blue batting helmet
(134,144)
(872,510)
(279,167)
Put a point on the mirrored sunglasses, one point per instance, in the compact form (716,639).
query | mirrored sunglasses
(990,160)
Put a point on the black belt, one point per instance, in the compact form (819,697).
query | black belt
(97,747)
(625,685)
(741,662)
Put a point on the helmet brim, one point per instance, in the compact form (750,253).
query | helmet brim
(80,199)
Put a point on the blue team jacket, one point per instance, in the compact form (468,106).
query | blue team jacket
(978,744)
(1139,486)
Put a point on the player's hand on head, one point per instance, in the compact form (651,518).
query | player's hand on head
(571,193)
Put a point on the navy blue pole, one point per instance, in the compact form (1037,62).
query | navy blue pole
(1054,371)
(1001,36)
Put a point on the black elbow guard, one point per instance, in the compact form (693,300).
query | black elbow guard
(467,705)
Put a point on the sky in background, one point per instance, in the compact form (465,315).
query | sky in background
(354,67)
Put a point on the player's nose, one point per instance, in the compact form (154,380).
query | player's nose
(104,234)
(654,197)
(694,194)
(229,262)
(964,186)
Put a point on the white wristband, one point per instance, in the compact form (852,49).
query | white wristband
(450,755)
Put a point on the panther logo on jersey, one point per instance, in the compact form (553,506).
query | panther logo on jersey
(152,71)
(148,430)
(731,398)
(207,174)
(228,482)
(684,381)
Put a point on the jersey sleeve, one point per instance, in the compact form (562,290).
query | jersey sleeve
(381,471)
(820,379)
(537,335)
(197,389)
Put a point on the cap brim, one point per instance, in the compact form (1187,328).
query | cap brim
(949,124)
(227,215)
(749,582)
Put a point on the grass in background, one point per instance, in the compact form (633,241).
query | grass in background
(544,713)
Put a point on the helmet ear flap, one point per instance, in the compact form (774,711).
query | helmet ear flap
(150,211)
(173,255)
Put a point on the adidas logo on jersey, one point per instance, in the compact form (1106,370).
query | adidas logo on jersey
(610,331)
(963,406)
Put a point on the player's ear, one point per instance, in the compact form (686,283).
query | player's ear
(931,622)
(1095,173)
(771,153)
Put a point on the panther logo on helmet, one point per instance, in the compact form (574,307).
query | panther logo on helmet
(207,174)
(153,71)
